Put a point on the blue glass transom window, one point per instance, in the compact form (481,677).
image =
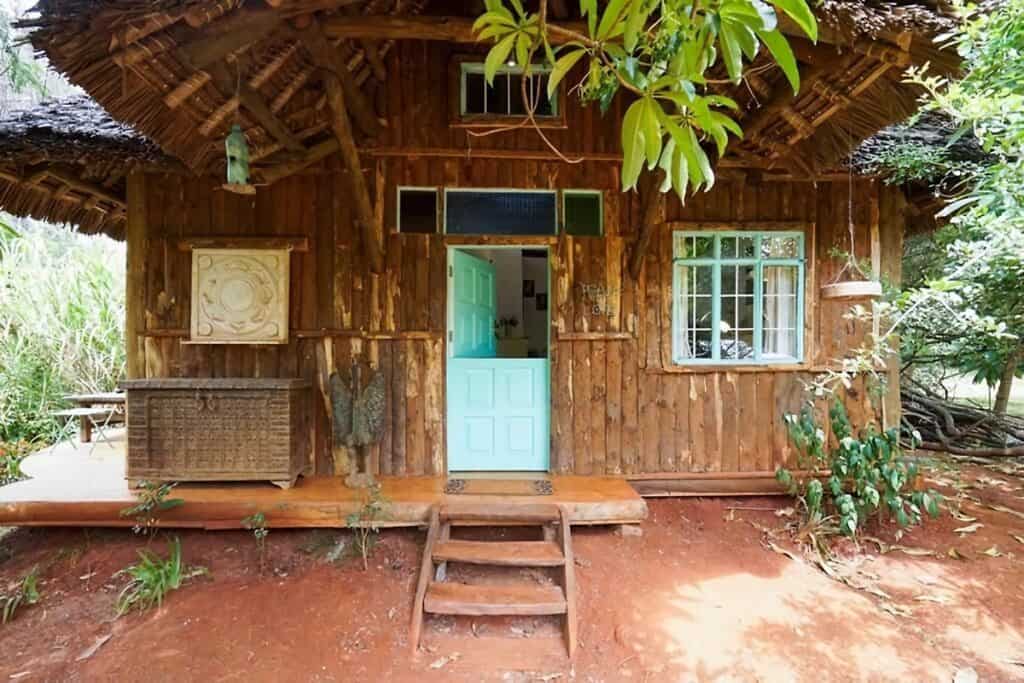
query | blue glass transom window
(500,212)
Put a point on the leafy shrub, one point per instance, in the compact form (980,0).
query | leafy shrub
(26,593)
(61,325)
(867,473)
(152,578)
(257,524)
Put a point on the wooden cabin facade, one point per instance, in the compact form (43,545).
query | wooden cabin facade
(621,396)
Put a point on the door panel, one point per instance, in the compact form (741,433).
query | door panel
(475,303)
(498,414)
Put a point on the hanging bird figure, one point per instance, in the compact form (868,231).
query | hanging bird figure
(237,151)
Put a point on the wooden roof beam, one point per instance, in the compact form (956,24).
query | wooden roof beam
(326,56)
(253,102)
(328,59)
(415,27)
(70,178)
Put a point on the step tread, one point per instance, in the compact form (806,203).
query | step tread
(526,599)
(538,513)
(501,553)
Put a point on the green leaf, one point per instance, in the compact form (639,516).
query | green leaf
(610,18)
(731,53)
(652,131)
(632,144)
(588,9)
(500,17)
(562,67)
(783,54)
(799,12)
(497,55)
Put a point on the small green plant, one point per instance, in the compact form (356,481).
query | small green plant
(153,577)
(365,522)
(11,455)
(25,593)
(257,524)
(153,501)
(865,474)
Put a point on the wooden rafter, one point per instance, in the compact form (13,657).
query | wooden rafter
(253,102)
(326,57)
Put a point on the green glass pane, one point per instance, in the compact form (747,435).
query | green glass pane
(583,214)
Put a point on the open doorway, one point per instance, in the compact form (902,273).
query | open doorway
(498,372)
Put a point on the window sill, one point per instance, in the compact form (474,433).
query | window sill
(554,123)
(710,368)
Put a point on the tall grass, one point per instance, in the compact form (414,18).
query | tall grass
(61,324)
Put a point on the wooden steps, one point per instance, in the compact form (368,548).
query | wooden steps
(493,600)
(501,554)
(435,595)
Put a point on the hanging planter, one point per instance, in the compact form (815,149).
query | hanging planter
(851,282)
(852,289)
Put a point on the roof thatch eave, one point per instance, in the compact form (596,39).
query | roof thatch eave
(65,161)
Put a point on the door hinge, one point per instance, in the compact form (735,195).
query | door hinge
(451,272)
(451,336)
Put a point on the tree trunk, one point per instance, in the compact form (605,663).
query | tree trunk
(1006,381)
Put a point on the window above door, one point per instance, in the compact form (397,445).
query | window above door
(475,103)
(737,297)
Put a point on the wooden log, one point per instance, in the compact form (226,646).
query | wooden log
(407,27)
(326,56)
(652,216)
(135,276)
(365,215)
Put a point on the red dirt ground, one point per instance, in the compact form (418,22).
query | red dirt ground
(699,596)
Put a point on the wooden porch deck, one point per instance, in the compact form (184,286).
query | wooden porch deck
(69,486)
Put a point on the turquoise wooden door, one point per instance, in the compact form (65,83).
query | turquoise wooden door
(475,306)
(498,408)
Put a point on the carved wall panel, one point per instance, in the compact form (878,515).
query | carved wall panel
(240,296)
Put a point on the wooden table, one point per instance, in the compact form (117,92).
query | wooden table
(110,400)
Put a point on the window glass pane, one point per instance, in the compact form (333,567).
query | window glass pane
(582,213)
(545,107)
(694,283)
(746,247)
(779,324)
(500,213)
(780,247)
(728,247)
(517,106)
(497,96)
(474,97)
(417,210)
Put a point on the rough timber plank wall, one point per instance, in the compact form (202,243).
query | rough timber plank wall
(619,406)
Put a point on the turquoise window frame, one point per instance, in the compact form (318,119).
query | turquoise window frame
(716,261)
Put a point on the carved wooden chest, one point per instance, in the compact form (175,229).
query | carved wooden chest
(187,429)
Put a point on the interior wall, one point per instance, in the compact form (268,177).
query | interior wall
(535,322)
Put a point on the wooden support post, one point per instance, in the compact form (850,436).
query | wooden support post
(135,278)
(652,217)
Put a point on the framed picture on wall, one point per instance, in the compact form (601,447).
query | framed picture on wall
(542,301)
(527,289)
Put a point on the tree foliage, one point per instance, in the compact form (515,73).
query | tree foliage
(970,310)
(662,52)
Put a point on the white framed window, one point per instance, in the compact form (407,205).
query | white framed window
(505,96)
(738,297)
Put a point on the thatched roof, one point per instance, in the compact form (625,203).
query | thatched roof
(171,69)
(65,161)
(932,137)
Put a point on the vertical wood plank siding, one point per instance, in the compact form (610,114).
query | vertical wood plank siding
(619,406)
